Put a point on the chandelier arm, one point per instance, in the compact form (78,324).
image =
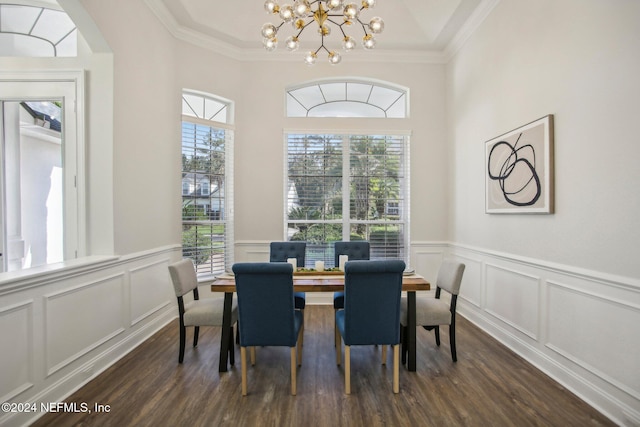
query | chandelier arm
(364,27)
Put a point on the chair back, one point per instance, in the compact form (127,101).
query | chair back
(265,304)
(183,276)
(450,276)
(281,251)
(355,250)
(372,302)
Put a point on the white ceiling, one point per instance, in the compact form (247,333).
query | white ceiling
(417,30)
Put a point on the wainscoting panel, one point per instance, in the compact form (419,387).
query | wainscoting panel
(16,330)
(580,327)
(591,330)
(79,319)
(73,321)
(426,259)
(149,291)
(512,297)
(471,286)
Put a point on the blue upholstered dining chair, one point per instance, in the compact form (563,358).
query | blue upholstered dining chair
(433,312)
(281,252)
(198,312)
(371,314)
(356,250)
(267,316)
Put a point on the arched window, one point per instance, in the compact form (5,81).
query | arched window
(207,177)
(347,185)
(347,98)
(36,32)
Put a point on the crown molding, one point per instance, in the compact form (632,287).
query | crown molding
(475,20)
(229,50)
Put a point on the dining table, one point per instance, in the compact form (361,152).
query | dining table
(328,281)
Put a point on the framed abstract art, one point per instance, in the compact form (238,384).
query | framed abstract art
(519,169)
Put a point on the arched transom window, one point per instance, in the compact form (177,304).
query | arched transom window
(35,31)
(347,98)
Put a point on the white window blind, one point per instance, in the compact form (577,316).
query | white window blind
(207,196)
(348,187)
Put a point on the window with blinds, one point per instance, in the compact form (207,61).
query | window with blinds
(207,191)
(348,187)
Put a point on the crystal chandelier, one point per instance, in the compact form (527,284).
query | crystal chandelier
(326,12)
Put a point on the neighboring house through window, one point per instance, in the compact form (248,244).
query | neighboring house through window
(207,182)
(348,186)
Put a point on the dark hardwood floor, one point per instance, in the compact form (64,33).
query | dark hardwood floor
(488,386)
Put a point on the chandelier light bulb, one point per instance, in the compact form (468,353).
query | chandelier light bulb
(368,4)
(302,8)
(334,4)
(286,13)
(348,43)
(271,6)
(292,43)
(368,42)
(310,58)
(269,31)
(351,12)
(334,58)
(270,44)
(376,25)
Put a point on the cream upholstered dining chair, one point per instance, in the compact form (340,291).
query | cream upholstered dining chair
(267,313)
(371,314)
(198,312)
(433,312)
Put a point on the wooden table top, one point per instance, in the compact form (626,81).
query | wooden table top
(318,283)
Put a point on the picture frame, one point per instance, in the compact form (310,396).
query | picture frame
(519,170)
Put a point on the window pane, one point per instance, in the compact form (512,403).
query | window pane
(346,99)
(315,177)
(206,230)
(319,238)
(377,185)
(376,169)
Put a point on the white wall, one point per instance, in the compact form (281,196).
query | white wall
(563,289)
(560,289)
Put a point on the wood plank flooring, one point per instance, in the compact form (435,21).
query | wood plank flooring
(488,386)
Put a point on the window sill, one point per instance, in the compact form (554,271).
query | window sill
(40,275)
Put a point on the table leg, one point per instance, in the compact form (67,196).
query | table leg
(411,329)
(225,339)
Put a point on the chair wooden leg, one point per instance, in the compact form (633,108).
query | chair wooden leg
(336,332)
(243,364)
(183,338)
(437,328)
(294,364)
(196,332)
(384,354)
(299,349)
(347,369)
(302,328)
(452,341)
(252,352)
(396,368)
